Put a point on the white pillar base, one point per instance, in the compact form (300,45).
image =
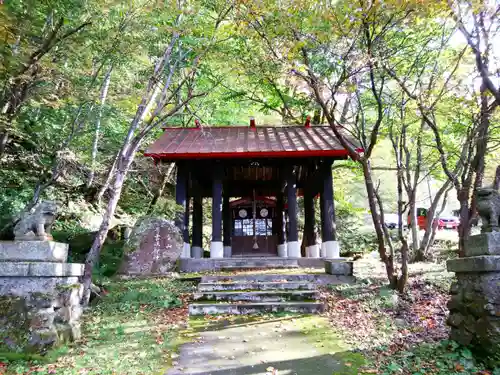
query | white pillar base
(282,250)
(228,251)
(322,251)
(197,252)
(312,251)
(332,249)
(216,249)
(186,251)
(294,249)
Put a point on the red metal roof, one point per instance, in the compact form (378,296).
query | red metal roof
(245,142)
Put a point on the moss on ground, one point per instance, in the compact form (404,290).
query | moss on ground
(320,334)
(132,331)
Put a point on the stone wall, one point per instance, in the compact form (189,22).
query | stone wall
(475,299)
(40,296)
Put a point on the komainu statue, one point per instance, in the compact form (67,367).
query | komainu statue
(488,208)
(35,224)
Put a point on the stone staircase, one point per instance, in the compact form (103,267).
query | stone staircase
(263,293)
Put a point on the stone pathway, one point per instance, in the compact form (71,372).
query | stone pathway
(284,346)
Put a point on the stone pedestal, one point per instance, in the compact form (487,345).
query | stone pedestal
(39,296)
(475,297)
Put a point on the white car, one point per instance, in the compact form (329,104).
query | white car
(391,221)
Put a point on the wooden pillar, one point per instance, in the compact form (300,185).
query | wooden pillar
(293,245)
(330,245)
(181,198)
(312,250)
(281,225)
(228,225)
(197,249)
(216,246)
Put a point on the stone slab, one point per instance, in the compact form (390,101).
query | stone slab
(483,263)
(42,251)
(41,269)
(483,244)
(211,264)
(316,278)
(283,285)
(259,296)
(334,267)
(254,308)
(23,286)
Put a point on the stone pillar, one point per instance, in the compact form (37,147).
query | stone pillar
(293,245)
(181,199)
(475,297)
(281,226)
(228,226)
(216,246)
(330,246)
(312,249)
(40,295)
(197,249)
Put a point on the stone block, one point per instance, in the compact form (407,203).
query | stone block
(25,286)
(483,263)
(338,267)
(42,269)
(41,251)
(38,313)
(483,244)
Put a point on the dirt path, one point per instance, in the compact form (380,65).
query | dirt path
(284,346)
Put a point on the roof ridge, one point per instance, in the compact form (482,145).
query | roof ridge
(243,127)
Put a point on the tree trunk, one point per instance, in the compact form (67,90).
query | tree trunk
(102,99)
(496,181)
(435,224)
(372,202)
(4,138)
(115,192)
(467,210)
(158,194)
(415,235)
(403,279)
(111,171)
(431,224)
(107,182)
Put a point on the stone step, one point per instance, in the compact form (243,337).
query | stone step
(257,267)
(219,286)
(317,278)
(217,264)
(254,308)
(259,296)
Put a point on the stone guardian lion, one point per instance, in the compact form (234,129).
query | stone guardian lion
(36,223)
(488,208)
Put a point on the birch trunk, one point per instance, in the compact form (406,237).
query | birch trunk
(102,99)
(115,192)
(111,171)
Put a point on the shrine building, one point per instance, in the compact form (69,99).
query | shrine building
(253,175)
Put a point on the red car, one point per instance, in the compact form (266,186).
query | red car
(448,222)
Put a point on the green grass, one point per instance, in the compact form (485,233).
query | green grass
(131,331)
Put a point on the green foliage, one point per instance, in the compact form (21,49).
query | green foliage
(444,358)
